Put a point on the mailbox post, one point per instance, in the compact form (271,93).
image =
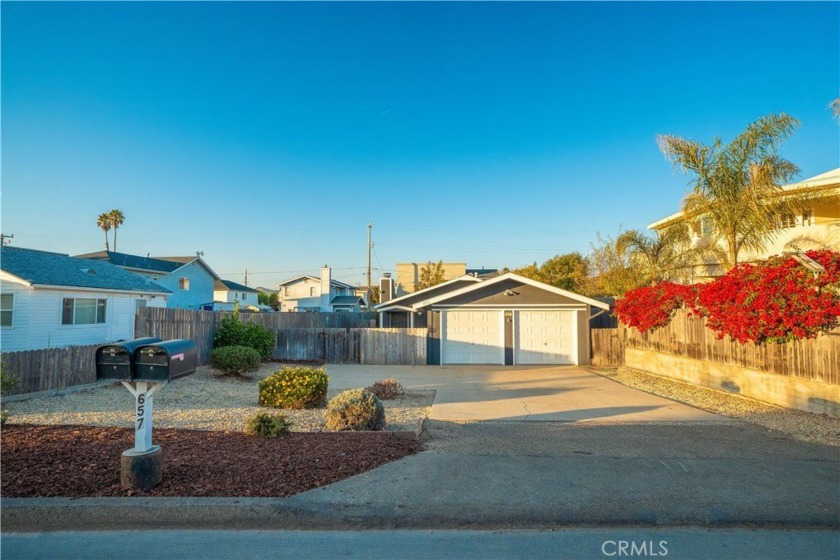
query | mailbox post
(144,366)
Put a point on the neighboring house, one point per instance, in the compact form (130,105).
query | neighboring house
(816,226)
(228,293)
(408,275)
(51,300)
(507,320)
(310,293)
(190,280)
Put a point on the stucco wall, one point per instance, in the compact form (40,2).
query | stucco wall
(788,391)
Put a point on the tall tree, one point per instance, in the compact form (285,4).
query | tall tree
(430,275)
(567,272)
(736,187)
(117,219)
(665,253)
(104,223)
(612,272)
(835,108)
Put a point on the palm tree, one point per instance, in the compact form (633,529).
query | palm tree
(117,218)
(736,187)
(664,253)
(835,108)
(104,223)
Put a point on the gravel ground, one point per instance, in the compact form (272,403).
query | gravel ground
(201,401)
(805,426)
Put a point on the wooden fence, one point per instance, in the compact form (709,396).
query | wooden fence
(52,368)
(201,326)
(607,347)
(353,346)
(816,359)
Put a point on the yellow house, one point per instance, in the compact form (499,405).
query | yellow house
(408,275)
(817,226)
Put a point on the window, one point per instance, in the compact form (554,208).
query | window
(311,291)
(705,226)
(7,303)
(787,220)
(286,291)
(183,283)
(83,311)
(139,304)
(244,296)
(807,217)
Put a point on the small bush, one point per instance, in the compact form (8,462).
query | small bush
(235,360)
(232,332)
(356,409)
(267,425)
(295,387)
(387,389)
(8,380)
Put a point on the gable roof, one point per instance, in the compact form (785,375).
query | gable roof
(420,294)
(42,268)
(137,262)
(347,300)
(230,285)
(333,282)
(509,276)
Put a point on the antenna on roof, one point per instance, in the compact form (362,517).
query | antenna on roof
(5,239)
(199,254)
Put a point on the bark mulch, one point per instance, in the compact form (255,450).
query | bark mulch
(84,461)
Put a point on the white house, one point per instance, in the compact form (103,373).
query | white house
(309,293)
(815,226)
(228,293)
(191,281)
(51,300)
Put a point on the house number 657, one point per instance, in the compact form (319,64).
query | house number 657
(141,409)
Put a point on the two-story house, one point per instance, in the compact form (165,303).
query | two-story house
(815,226)
(191,281)
(228,293)
(50,300)
(310,293)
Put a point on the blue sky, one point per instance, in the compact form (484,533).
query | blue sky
(269,134)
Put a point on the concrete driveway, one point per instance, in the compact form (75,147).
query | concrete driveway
(524,393)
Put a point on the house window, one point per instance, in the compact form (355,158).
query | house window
(286,291)
(705,226)
(787,220)
(83,311)
(7,303)
(244,296)
(311,291)
(808,217)
(183,283)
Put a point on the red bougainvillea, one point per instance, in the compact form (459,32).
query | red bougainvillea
(651,307)
(772,301)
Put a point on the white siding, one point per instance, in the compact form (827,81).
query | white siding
(36,321)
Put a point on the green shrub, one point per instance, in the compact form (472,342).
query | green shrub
(235,360)
(8,380)
(355,409)
(267,425)
(295,387)
(233,332)
(387,389)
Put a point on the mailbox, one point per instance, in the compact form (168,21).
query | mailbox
(116,361)
(164,361)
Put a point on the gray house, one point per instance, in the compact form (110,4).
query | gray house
(505,320)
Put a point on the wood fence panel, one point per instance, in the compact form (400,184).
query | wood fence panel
(393,346)
(607,347)
(51,368)
(817,359)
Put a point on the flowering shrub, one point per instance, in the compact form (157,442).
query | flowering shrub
(295,387)
(775,300)
(651,307)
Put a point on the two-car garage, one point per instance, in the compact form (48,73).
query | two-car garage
(533,336)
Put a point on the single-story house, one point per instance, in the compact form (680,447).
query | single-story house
(50,300)
(190,279)
(504,320)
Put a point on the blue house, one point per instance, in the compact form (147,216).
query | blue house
(190,279)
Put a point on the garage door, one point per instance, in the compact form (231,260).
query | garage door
(472,337)
(545,337)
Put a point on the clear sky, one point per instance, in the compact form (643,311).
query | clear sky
(268,135)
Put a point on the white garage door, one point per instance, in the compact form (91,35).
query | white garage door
(545,337)
(472,337)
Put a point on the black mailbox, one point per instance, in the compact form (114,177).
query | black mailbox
(116,361)
(164,361)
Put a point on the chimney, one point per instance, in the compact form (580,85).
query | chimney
(326,281)
(386,288)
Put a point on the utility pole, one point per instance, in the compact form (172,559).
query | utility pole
(370,246)
(246,276)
